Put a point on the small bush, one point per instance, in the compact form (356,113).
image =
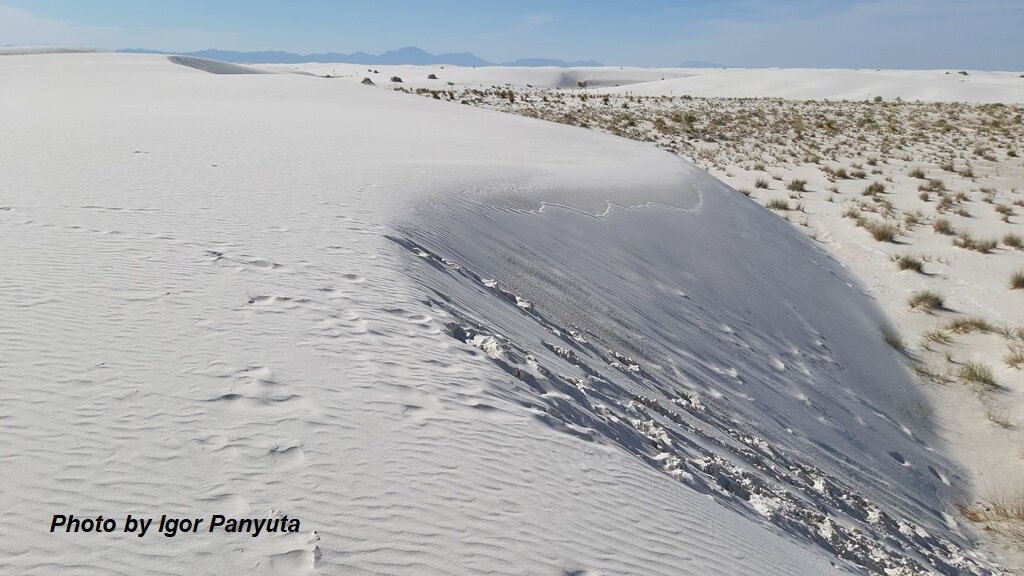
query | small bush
(977,373)
(964,240)
(1013,241)
(917,173)
(778,204)
(883,232)
(1017,280)
(925,300)
(797,185)
(893,339)
(761,183)
(968,325)
(933,185)
(936,335)
(1015,358)
(396,79)
(908,262)
(942,225)
(431,76)
(873,189)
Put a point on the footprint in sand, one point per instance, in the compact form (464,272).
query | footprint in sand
(898,457)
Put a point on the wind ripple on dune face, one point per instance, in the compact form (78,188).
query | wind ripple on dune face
(577,312)
(331,391)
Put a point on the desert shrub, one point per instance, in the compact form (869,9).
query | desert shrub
(1013,241)
(925,300)
(917,173)
(873,189)
(908,262)
(1017,280)
(797,185)
(969,325)
(761,183)
(1015,358)
(977,373)
(893,339)
(778,204)
(883,232)
(965,240)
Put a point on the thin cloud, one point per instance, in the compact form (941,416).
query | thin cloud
(21,27)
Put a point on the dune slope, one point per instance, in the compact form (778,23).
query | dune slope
(447,340)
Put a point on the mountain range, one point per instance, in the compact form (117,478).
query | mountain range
(408,55)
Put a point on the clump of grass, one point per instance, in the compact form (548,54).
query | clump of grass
(883,231)
(778,204)
(873,189)
(945,203)
(917,173)
(908,262)
(925,300)
(977,373)
(968,325)
(893,339)
(1013,241)
(797,185)
(998,417)
(1002,514)
(965,240)
(923,196)
(1015,358)
(761,183)
(942,226)
(1017,280)
(933,185)
(936,335)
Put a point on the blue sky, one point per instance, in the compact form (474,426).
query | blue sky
(980,34)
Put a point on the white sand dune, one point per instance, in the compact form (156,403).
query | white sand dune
(803,84)
(450,341)
(43,49)
(488,76)
(796,84)
(213,66)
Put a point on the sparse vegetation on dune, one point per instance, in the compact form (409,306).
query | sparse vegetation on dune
(908,262)
(925,300)
(1017,280)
